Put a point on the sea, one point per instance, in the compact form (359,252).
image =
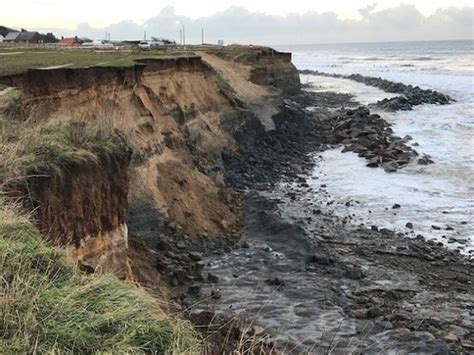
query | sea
(437,199)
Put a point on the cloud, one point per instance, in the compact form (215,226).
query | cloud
(238,25)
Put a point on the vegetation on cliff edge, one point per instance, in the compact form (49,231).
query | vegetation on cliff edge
(47,305)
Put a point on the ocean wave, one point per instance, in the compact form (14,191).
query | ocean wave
(423,59)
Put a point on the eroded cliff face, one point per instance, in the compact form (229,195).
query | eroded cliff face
(178,120)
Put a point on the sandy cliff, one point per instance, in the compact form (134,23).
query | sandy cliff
(178,114)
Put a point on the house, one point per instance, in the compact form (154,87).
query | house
(5,30)
(11,37)
(49,38)
(29,37)
(71,41)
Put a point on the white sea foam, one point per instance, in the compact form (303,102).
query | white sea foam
(441,194)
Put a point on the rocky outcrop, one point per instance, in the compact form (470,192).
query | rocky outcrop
(410,95)
(372,138)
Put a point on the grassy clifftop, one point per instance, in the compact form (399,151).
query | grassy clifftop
(48,306)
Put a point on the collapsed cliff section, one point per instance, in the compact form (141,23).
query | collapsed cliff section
(171,111)
(178,114)
(74,180)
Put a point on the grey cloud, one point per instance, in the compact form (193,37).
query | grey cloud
(236,24)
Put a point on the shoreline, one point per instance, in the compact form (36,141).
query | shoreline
(385,292)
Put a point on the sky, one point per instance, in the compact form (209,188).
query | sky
(249,21)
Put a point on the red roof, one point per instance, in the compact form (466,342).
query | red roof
(70,41)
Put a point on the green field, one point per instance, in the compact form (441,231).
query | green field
(18,60)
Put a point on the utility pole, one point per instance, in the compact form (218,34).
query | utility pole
(144,36)
(180,36)
(184,36)
(202,35)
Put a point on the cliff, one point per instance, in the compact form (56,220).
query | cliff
(178,115)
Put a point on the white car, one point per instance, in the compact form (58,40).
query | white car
(149,44)
(99,44)
(145,45)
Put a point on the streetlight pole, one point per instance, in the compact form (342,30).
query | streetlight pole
(184,36)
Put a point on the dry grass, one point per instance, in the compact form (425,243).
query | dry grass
(28,150)
(48,306)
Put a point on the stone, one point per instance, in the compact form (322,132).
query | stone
(321,259)
(436,227)
(396,206)
(409,225)
(361,313)
(212,278)
(216,295)
(275,282)
(194,290)
(451,338)
(195,256)
(354,273)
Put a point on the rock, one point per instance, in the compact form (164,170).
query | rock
(373,163)
(390,167)
(374,312)
(354,273)
(361,313)
(436,227)
(425,160)
(212,278)
(245,245)
(409,225)
(275,282)
(451,338)
(195,256)
(316,212)
(396,206)
(374,228)
(194,290)
(181,245)
(321,259)
(216,295)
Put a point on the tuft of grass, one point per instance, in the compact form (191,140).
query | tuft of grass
(28,150)
(49,306)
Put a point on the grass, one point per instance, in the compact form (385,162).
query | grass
(50,149)
(79,58)
(49,306)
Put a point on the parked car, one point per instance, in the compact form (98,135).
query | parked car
(149,44)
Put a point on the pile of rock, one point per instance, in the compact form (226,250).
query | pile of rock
(410,95)
(371,137)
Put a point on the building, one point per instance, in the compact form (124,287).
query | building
(71,41)
(1,38)
(49,38)
(220,42)
(11,37)
(29,37)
